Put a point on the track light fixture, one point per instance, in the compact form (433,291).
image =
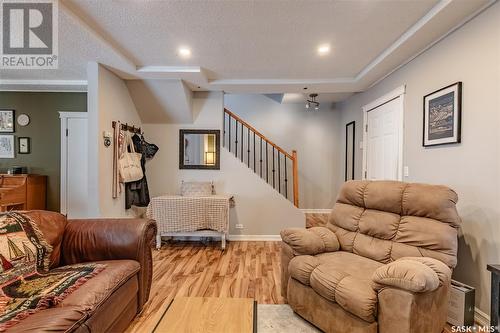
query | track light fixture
(311,102)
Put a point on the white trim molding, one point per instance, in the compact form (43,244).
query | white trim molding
(169,69)
(396,93)
(481,318)
(316,211)
(64,155)
(46,82)
(254,238)
(401,90)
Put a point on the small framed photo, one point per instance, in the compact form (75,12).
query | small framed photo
(6,146)
(24,145)
(7,121)
(443,116)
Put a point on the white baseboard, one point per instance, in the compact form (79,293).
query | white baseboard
(316,211)
(481,318)
(234,238)
(254,238)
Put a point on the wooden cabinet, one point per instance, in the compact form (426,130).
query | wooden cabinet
(22,192)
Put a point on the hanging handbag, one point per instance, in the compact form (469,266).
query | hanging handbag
(129,163)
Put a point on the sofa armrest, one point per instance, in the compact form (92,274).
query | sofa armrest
(112,239)
(414,274)
(310,241)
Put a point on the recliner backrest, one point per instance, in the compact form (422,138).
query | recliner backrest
(387,220)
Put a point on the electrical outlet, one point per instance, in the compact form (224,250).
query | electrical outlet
(406,171)
(239,226)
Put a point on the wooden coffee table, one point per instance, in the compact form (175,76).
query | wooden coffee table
(209,315)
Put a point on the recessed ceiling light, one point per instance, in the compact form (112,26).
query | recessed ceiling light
(184,52)
(323,49)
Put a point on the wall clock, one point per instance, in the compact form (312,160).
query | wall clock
(23,119)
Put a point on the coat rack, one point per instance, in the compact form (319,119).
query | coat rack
(127,127)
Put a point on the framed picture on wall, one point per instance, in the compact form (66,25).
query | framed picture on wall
(6,146)
(6,121)
(23,145)
(443,116)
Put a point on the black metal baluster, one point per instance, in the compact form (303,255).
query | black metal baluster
(242,142)
(267,164)
(254,170)
(260,155)
(274,178)
(236,140)
(229,139)
(224,129)
(286,180)
(279,171)
(248,147)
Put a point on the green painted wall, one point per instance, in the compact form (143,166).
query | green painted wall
(44,132)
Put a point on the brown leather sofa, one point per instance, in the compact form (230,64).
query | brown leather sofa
(382,263)
(109,301)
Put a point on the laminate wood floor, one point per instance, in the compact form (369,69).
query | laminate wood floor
(244,269)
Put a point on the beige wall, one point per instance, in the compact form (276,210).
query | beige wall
(109,100)
(261,210)
(314,134)
(472,168)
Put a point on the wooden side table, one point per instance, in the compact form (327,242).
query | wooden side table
(495,297)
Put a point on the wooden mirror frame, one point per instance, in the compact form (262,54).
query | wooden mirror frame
(183,132)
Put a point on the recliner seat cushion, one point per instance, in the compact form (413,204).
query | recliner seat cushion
(341,277)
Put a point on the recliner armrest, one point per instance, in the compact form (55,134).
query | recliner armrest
(414,274)
(310,241)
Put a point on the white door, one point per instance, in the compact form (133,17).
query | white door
(383,141)
(74,165)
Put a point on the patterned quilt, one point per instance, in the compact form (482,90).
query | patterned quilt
(26,284)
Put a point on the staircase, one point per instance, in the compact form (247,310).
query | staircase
(269,161)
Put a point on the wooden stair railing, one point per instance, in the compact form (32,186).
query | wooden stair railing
(262,155)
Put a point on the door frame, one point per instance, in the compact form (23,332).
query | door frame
(398,92)
(64,116)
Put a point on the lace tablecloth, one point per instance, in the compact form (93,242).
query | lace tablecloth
(174,213)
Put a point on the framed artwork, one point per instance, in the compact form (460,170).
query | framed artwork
(6,146)
(350,138)
(443,116)
(23,145)
(7,121)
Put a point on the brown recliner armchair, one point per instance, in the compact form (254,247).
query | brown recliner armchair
(109,301)
(382,263)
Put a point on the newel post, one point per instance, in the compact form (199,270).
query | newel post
(295,179)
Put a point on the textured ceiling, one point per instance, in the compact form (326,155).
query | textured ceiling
(249,46)
(256,39)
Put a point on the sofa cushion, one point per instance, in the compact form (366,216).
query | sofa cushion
(98,289)
(61,319)
(341,277)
